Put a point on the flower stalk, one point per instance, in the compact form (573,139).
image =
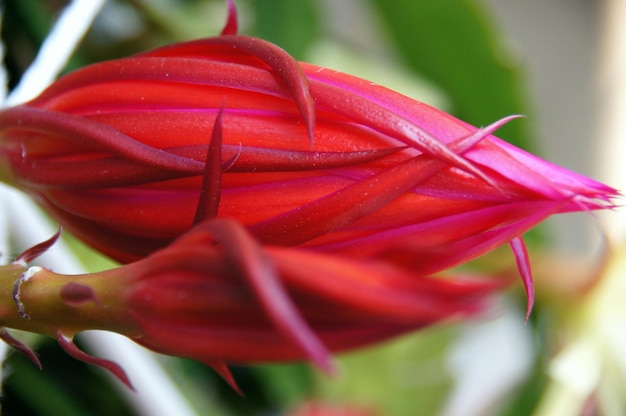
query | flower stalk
(31,297)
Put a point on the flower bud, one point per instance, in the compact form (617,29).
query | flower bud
(215,295)
(116,151)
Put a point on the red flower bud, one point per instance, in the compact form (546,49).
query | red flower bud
(353,194)
(215,295)
(119,153)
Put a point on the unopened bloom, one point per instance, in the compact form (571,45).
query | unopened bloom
(118,153)
(217,296)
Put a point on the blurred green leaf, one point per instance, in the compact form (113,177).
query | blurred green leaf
(65,386)
(404,376)
(455,44)
(38,393)
(285,384)
(293,25)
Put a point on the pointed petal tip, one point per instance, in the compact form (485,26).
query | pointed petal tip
(262,277)
(285,66)
(523,264)
(37,250)
(67,344)
(210,192)
(20,346)
(231,25)
(480,134)
(223,371)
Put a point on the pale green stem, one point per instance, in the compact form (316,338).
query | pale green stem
(37,300)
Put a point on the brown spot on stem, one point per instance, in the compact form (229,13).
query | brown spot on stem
(76,294)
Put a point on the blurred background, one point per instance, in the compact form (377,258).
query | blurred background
(477,59)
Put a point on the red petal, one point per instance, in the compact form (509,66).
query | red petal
(222,369)
(209,201)
(37,250)
(231,26)
(260,273)
(523,265)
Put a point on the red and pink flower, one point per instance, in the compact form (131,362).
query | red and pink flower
(117,151)
(336,200)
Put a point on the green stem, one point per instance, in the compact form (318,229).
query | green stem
(38,300)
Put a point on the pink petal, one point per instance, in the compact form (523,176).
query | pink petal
(523,265)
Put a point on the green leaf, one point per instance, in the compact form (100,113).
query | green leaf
(40,393)
(292,25)
(65,386)
(456,44)
(285,384)
(404,376)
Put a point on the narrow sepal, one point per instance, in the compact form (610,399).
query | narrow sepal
(264,280)
(99,136)
(285,66)
(231,25)
(224,372)
(20,346)
(37,250)
(67,344)
(523,265)
(355,201)
(209,201)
